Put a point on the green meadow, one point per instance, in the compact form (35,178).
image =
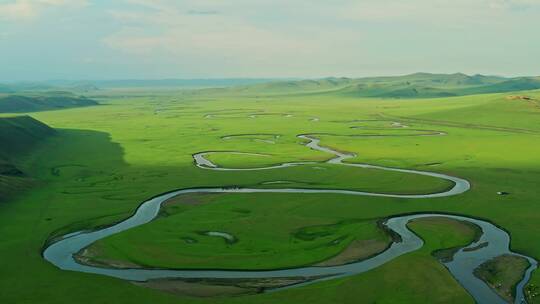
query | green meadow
(104,160)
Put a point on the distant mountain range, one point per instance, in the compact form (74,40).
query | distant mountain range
(21,104)
(94,85)
(418,85)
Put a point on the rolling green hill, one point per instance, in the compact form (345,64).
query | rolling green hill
(292,86)
(17,135)
(511,85)
(21,104)
(282,87)
(422,85)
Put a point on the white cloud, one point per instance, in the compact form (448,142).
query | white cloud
(17,10)
(436,12)
(29,9)
(243,27)
(204,38)
(172,30)
(307,36)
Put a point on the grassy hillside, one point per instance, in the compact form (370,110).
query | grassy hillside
(18,135)
(21,104)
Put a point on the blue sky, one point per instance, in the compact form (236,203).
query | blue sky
(98,39)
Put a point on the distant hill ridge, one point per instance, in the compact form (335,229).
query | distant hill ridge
(20,104)
(85,86)
(418,85)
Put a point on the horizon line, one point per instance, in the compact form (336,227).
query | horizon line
(253,78)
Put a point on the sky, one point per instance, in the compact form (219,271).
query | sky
(155,39)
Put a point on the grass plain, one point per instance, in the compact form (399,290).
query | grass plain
(105,160)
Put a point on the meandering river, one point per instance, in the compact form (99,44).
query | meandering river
(61,253)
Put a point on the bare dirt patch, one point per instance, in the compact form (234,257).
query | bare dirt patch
(93,256)
(207,288)
(358,250)
(520,97)
(195,289)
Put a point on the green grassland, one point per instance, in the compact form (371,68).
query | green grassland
(104,161)
(266,239)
